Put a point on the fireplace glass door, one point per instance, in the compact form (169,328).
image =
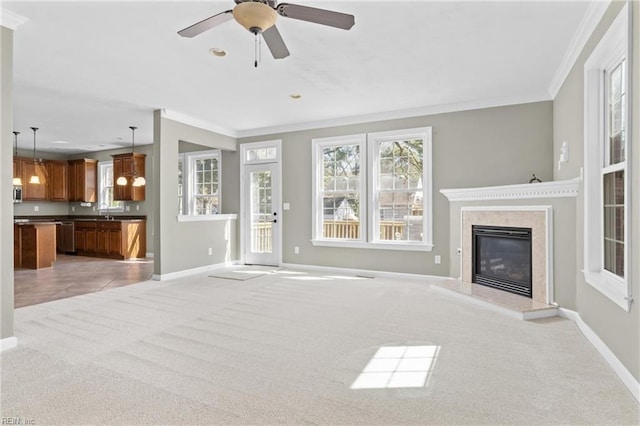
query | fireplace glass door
(502,258)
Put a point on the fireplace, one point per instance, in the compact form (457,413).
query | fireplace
(501,258)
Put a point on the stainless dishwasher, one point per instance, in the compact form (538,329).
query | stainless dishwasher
(67,237)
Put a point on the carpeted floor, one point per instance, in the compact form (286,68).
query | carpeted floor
(287,347)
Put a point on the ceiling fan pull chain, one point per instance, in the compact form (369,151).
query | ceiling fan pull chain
(255,50)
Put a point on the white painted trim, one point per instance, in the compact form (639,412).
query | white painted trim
(196,122)
(398,114)
(404,246)
(553,189)
(591,19)
(192,271)
(207,217)
(627,378)
(11,20)
(8,343)
(362,272)
(548,212)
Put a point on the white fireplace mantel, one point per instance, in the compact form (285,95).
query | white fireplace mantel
(553,189)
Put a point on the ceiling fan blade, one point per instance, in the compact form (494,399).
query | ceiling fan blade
(206,24)
(318,16)
(275,43)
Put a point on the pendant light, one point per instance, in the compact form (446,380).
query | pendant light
(137,180)
(17,181)
(35,179)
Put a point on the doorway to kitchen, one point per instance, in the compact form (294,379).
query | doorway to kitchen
(260,195)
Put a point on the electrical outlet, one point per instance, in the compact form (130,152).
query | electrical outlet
(94,208)
(210,251)
(137,207)
(285,206)
(73,208)
(36,208)
(438,259)
(127,208)
(296,250)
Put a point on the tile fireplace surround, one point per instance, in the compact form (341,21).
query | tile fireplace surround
(538,218)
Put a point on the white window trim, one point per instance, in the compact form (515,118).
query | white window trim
(318,146)
(613,46)
(368,238)
(101,200)
(188,186)
(373,139)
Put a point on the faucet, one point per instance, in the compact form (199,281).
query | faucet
(106,216)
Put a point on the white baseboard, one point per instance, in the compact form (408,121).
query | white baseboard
(8,343)
(362,272)
(192,271)
(627,378)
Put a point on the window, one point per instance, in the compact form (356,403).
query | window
(340,188)
(397,186)
(607,124)
(199,174)
(395,212)
(105,197)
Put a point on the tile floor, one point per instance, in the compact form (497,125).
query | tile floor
(76,275)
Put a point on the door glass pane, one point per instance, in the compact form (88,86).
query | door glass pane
(261,212)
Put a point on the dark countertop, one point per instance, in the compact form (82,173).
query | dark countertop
(58,219)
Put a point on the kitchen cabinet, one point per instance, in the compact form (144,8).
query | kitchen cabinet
(124,165)
(34,191)
(34,245)
(85,233)
(17,168)
(116,239)
(57,186)
(83,180)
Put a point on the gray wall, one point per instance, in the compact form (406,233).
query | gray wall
(184,245)
(470,148)
(6,188)
(619,330)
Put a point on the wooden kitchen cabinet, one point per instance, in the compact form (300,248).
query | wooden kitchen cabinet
(116,239)
(123,164)
(57,185)
(83,180)
(85,233)
(33,191)
(17,168)
(34,245)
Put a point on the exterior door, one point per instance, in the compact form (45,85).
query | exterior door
(262,216)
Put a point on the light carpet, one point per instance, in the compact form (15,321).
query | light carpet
(286,347)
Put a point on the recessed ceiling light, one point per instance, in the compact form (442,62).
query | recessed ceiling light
(295,95)
(60,142)
(216,51)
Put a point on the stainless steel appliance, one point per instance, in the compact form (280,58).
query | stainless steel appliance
(17,193)
(66,243)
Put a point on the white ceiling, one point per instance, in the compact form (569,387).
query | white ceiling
(85,71)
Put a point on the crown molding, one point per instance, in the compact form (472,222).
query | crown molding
(553,189)
(11,20)
(591,19)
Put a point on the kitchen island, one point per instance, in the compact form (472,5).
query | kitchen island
(34,244)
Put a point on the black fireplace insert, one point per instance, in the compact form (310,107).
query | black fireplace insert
(502,258)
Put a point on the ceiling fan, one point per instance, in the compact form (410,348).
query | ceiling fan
(259,17)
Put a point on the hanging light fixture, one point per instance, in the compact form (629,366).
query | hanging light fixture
(16,180)
(35,179)
(137,180)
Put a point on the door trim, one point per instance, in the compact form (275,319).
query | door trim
(276,143)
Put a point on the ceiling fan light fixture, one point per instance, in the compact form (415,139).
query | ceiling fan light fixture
(255,17)
(216,51)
